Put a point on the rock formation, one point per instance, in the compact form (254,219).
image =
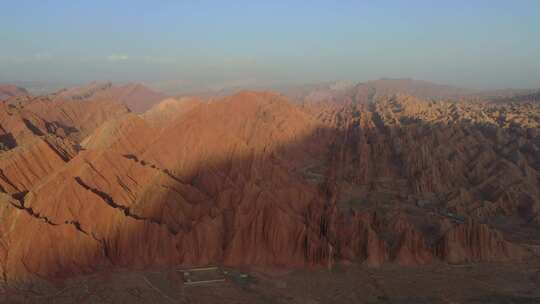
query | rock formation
(255,180)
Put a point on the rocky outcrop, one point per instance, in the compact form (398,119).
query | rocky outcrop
(474,242)
(412,249)
(77,119)
(23,167)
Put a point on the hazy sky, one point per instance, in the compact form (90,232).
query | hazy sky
(474,43)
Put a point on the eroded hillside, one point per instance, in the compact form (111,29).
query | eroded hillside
(255,180)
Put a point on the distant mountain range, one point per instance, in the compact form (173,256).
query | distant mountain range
(142,95)
(135,96)
(11,91)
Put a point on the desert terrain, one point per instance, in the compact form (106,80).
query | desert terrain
(387,191)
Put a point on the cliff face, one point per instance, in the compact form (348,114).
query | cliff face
(252,179)
(473,242)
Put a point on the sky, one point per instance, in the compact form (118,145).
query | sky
(477,44)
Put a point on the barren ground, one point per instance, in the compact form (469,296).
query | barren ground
(440,283)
